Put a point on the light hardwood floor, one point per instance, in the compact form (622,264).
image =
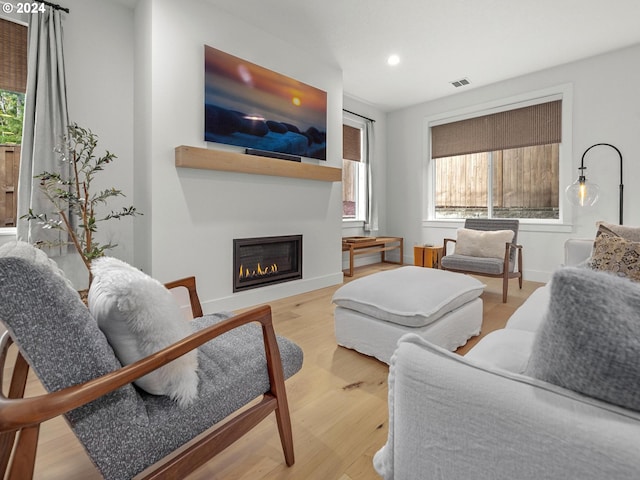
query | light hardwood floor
(338,402)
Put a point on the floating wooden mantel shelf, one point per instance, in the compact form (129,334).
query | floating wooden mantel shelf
(195,157)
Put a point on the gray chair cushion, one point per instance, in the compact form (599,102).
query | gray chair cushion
(64,346)
(127,430)
(232,371)
(492,266)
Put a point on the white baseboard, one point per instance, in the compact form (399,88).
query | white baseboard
(269,293)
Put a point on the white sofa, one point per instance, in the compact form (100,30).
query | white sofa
(480,416)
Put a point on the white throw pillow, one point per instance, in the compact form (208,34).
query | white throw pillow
(480,243)
(139,316)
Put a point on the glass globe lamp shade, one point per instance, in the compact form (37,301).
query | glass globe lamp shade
(583,193)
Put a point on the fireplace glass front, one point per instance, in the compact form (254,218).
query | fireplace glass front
(266,260)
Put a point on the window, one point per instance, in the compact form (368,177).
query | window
(503,165)
(13,83)
(353,172)
(512,183)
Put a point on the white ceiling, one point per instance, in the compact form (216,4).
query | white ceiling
(440,41)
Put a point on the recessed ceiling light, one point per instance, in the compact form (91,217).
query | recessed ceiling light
(393,60)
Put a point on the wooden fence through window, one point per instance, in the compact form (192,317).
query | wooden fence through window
(9,168)
(522,178)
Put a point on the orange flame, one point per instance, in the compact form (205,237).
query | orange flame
(245,273)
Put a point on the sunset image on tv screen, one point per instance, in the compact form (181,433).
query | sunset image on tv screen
(250,106)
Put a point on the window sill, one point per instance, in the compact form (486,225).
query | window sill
(525,226)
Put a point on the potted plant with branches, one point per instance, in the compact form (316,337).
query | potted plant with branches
(75,205)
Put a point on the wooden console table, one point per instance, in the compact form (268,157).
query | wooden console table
(364,245)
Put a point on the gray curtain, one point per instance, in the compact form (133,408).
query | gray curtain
(45,119)
(371,222)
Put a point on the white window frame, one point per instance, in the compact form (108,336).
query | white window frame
(562,92)
(361,182)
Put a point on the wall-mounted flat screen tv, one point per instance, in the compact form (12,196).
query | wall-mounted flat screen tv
(250,106)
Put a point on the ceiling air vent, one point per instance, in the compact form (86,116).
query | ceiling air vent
(461,83)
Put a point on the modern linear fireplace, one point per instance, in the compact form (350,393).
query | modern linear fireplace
(266,260)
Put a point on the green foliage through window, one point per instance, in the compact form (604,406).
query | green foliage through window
(11,115)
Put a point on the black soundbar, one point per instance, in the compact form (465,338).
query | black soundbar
(281,156)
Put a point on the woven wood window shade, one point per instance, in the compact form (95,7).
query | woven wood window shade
(539,124)
(351,144)
(13,56)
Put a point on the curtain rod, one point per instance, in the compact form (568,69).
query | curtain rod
(358,115)
(55,6)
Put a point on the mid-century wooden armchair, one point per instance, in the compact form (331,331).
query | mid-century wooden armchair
(504,268)
(125,431)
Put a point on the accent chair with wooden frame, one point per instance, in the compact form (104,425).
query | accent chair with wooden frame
(125,431)
(504,268)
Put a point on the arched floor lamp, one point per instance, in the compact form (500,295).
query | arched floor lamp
(584,194)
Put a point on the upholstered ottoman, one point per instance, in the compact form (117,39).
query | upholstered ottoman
(373,312)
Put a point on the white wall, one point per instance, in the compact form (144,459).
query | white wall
(195,214)
(98,41)
(604,110)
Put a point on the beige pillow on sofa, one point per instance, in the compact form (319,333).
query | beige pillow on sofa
(480,243)
(629,233)
(616,254)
